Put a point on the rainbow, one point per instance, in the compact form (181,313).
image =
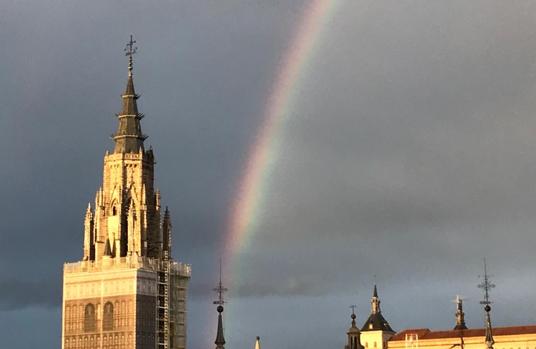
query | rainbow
(262,156)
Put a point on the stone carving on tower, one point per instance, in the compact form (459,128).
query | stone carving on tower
(126,292)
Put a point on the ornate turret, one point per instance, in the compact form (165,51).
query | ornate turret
(89,247)
(353,334)
(376,321)
(460,315)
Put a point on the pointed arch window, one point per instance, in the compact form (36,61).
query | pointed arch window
(108,317)
(90,320)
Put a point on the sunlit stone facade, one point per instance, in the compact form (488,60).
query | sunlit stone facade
(126,292)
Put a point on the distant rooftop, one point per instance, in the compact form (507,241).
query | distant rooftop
(425,333)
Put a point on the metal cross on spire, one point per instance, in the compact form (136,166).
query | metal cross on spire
(353,316)
(220,290)
(130,50)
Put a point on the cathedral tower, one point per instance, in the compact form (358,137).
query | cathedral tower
(126,292)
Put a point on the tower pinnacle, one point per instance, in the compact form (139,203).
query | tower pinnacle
(129,138)
(375,302)
(460,315)
(220,339)
(486,286)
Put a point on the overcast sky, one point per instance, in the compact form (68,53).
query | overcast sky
(409,155)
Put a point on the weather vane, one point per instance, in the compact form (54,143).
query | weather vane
(220,290)
(130,50)
(486,285)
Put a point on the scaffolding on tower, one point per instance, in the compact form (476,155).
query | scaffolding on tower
(163,303)
(164,321)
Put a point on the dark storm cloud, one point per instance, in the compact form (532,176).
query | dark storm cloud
(421,160)
(18,294)
(408,154)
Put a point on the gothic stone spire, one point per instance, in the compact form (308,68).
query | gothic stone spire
(129,138)
(376,321)
(127,206)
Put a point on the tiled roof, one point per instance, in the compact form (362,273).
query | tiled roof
(376,322)
(424,333)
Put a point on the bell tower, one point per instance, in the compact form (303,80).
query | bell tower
(127,292)
(353,335)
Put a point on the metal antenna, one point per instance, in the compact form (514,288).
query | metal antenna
(130,50)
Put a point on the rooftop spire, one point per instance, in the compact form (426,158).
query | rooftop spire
(376,321)
(258,343)
(129,138)
(486,285)
(220,339)
(460,315)
(375,302)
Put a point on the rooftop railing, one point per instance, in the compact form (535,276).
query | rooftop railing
(130,262)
